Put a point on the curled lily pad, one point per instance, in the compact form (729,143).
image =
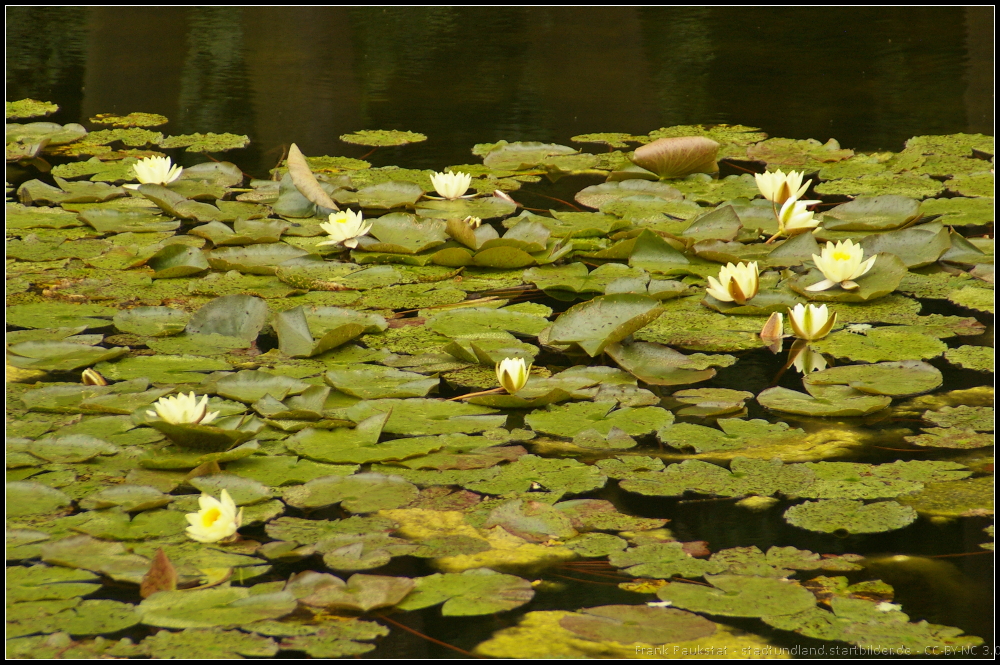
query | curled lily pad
(847,516)
(303,333)
(177,260)
(658,365)
(677,157)
(232,316)
(59,356)
(603,321)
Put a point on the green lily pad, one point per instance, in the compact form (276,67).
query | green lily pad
(209,643)
(470,593)
(951,437)
(876,213)
(30,498)
(896,379)
(603,321)
(904,184)
(382,137)
(823,401)
(659,365)
(707,402)
(881,344)
(41,582)
(127,221)
(59,356)
(151,321)
(662,560)
(368,382)
(975,184)
(596,196)
(130,498)
(304,333)
(402,233)
(29,108)
(741,596)
(207,142)
(76,617)
(218,607)
(979,358)
(255,259)
(161,369)
(628,624)
(568,476)
(960,211)
(572,419)
(360,493)
(973,298)
(960,498)
(736,434)
(845,515)
(56,314)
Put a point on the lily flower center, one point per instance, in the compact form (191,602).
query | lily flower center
(841,256)
(211,516)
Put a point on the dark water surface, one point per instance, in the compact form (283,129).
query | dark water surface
(869,77)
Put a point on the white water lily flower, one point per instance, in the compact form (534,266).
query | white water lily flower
(512,374)
(183,410)
(217,520)
(777,186)
(451,185)
(811,322)
(345,228)
(155,171)
(736,283)
(807,361)
(794,218)
(841,264)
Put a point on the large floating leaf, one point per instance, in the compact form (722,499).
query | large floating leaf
(382,137)
(421,417)
(741,596)
(206,608)
(679,156)
(823,400)
(361,493)
(659,365)
(59,356)
(304,333)
(597,196)
(898,379)
(881,344)
(637,623)
(571,419)
(603,321)
(846,516)
(473,592)
(29,498)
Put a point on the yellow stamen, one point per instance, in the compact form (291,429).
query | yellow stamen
(210,516)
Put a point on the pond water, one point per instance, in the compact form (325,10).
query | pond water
(871,78)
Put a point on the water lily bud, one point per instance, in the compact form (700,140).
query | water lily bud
(92,377)
(841,264)
(512,374)
(217,520)
(794,218)
(345,228)
(737,283)
(811,322)
(473,222)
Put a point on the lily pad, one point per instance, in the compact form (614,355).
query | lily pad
(603,321)
(881,344)
(847,516)
(628,624)
(659,365)
(741,596)
(218,607)
(360,493)
(823,401)
(382,137)
(470,593)
(896,379)
(979,358)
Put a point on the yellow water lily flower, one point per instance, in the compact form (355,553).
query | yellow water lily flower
(451,185)
(217,520)
(779,187)
(794,218)
(840,264)
(811,322)
(183,410)
(513,374)
(345,228)
(473,222)
(737,283)
(155,171)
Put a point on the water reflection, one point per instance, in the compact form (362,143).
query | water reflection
(869,77)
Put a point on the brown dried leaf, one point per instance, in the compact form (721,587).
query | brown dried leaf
(305,181)
(161,576)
